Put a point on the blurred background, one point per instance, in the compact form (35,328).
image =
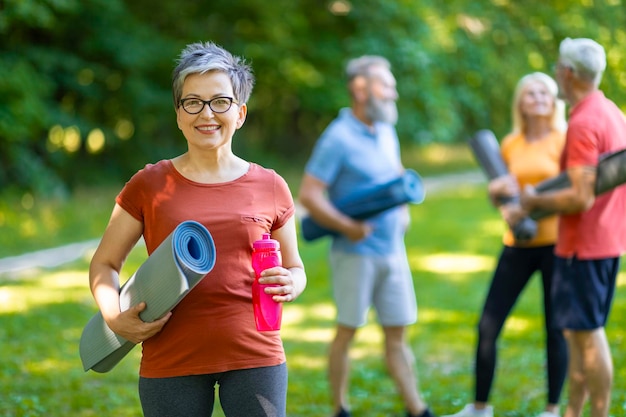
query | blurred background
(85,96)
(85,102)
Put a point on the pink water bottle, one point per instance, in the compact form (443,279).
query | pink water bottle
(267,312)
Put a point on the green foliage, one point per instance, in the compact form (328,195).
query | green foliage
(85,85)
(70,68)
(29,222)
(452,245)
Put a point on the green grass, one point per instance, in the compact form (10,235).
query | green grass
(29,222)
(452,245)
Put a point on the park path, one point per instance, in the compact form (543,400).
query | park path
(16,266)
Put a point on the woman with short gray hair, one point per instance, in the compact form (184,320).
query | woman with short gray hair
(210,338)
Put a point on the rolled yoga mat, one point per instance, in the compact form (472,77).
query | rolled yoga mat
(486,150)
(610,173)
(162,281)
(366,203)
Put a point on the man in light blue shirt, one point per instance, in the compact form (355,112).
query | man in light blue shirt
(360,150)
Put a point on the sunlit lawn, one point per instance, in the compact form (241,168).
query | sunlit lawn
(452,245)
(29,222)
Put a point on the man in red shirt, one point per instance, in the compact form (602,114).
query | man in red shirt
(592,229)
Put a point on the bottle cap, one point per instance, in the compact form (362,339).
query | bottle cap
(266,243)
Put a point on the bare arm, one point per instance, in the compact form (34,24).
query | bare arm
(313,198)
(579,197)
(120,236)
(291,277)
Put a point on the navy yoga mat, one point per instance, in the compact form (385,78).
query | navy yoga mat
(366,203)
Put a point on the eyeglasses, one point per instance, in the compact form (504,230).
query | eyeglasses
(559,66)
(217,104)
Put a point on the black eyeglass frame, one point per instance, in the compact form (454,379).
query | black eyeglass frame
(181,103)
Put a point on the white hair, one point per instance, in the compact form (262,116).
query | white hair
(363,65)
(585,57)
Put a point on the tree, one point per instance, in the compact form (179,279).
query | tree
(85,89)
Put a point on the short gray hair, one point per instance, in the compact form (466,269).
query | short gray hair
(200,58)
(362,65)
(586,58)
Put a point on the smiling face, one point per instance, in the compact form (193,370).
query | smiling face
(536,100)
(209,130)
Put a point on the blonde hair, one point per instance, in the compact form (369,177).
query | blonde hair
(557,121)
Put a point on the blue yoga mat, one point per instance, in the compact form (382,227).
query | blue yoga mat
(366,203)
(179,263)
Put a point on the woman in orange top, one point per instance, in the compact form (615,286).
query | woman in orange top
(531,152)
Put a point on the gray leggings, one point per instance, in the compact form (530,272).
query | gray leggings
(256,392)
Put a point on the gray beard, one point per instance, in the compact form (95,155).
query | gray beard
(384,111)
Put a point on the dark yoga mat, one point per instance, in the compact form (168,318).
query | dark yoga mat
(610,173)
(162,281)
(369,202)
(486,149)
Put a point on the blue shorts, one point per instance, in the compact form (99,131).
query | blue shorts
(362,281)
(582,292)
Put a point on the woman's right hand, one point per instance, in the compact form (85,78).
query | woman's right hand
(502,187)
(512,214)
(357,230)
(131,327)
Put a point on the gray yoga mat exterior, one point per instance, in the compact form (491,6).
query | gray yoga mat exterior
(486,150)
(180,262)
(610,173)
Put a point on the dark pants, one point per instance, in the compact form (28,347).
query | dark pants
(256,392)
(515,268)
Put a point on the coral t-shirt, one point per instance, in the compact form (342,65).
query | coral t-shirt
(596,127)
(212,329)
(531,163)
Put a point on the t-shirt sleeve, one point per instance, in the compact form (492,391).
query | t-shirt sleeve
(581,147)
(285,207)
(130,197)
(506,148)
(326,160)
